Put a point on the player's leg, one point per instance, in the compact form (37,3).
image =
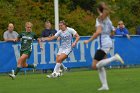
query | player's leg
(30,65)
(94,64)
(102,75)
(24,64)
(21,63)
(67,52)
(103,79)
(59,60)
(100,55)
(27,53)
(57,66)
(64,67)
(106,61)
(61,56)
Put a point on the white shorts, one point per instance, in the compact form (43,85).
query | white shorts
(65,51)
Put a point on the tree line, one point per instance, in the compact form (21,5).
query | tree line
(79,14)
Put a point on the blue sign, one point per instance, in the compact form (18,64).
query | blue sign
(81,56)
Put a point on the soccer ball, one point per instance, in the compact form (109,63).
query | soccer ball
(55,74)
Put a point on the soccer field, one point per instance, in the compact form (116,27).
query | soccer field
(120,81)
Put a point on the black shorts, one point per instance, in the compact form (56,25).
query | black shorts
(99,55)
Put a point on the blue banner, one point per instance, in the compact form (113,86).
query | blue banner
(81,56)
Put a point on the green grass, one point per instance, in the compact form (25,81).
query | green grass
(120,81)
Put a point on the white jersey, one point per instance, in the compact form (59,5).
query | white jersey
(66,37)
(104,38)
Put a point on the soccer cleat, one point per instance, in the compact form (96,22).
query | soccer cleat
(103,88)
(49,76)
(119,58)
(65,69)
(12,76)
(35,65)
(61,73)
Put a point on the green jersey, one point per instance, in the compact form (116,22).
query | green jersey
(27,40)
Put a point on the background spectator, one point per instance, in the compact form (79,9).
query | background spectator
(48,31)
(10,35)
(122,30)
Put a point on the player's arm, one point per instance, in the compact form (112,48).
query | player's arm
(49,38)
(40,43)
(77,37)
(112,28)
(112,32)
(52,37)
(39,40)
(95,35)
(58,38)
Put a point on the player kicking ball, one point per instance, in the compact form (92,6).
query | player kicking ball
(66,34)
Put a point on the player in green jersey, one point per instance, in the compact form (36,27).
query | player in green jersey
(26,38)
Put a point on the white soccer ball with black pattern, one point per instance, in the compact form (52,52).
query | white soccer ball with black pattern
(55,74)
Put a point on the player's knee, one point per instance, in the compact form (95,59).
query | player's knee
(19,65)
(59,60)
(19,62)
(24,65)
(94,67)
(97,65)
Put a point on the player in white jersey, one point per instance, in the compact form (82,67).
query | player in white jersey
(103,30)
(66,34)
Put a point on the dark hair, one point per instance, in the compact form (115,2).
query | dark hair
(100,7)
(103,6)
(63,22)
(47,22)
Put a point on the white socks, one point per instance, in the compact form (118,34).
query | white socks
(102,76)
(105,62)
(57,67)
(102,73)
